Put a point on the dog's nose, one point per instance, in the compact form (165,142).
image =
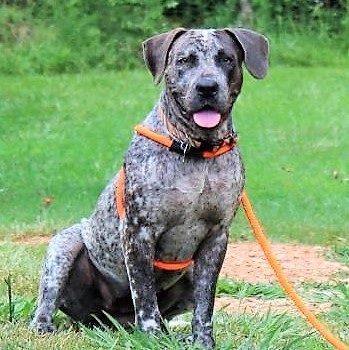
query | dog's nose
(207,87)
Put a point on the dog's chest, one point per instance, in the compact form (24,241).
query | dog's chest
(181,203)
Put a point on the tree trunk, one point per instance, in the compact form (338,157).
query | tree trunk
(246,13)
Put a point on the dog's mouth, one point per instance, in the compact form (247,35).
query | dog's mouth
(207,118)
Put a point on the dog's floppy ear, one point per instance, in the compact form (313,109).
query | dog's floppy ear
(156,49)
(255,47)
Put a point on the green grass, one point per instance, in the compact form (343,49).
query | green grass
(65,136)
(241,289)
(300,47)
(243,332)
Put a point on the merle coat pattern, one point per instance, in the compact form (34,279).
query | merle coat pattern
(177,207)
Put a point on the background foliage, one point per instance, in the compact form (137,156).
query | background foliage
(48,36)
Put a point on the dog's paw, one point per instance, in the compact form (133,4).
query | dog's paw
(150,326)
(150,323)
(43,327)
(205,340)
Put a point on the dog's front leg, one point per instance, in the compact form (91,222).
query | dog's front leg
(138,249)
(208,263)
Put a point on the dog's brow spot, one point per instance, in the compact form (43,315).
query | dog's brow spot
(207,36)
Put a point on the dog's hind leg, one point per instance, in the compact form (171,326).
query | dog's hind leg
(61,254)
(178,298)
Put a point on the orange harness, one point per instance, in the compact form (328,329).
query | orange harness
(173,146)
(255,225)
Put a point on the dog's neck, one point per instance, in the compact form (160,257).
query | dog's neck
(174,131)
(176,124)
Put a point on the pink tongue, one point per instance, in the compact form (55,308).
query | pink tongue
(207,119)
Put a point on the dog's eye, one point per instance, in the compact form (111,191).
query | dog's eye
(228,60)
(183,60)
(191,59)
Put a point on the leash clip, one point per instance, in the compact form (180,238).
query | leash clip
(184,146)
(180,147)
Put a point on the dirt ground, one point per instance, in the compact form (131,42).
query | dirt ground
(245,261)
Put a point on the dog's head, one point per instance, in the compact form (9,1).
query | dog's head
(203,71)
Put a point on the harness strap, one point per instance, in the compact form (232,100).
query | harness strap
(172,265)
(173,146)
(154,136)
(120,194)
(121,212)
(185,149)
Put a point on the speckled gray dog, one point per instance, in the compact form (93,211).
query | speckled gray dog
(178,206)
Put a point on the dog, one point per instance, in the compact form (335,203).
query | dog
(178,203)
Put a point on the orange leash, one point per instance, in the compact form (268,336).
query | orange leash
(257,230)
(266,247)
